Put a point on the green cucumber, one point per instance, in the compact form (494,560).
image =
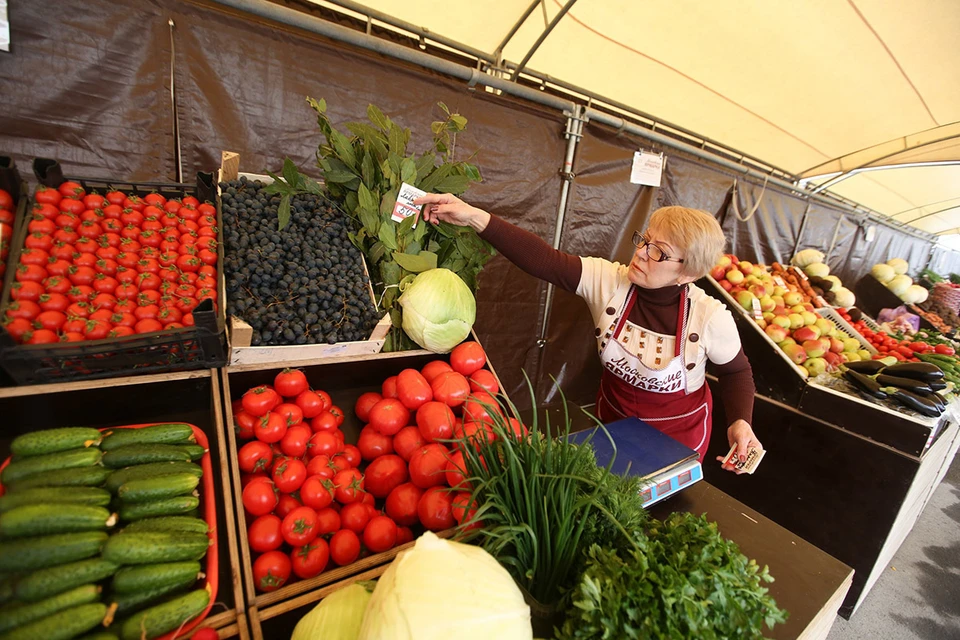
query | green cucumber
(166,507)
(16,614)
(91,496)
(169,524)
(153,470)
(173,433)
(134,601)
(133,454)
(151,547)
(62,625)
(196,451)
(158,620)
(148,489)
(53,580)
(7,582)
(16,471)
(29,554)
(54,440)
(79,477)
(99,635)
(47,519)
(152,576)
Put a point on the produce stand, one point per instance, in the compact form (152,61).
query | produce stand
(836,485)
(873,296)
(810,584)
(191,397)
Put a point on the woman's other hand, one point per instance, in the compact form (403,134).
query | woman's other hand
(741,434)
(449,208)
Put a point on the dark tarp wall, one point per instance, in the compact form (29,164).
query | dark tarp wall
(242,87)
(888,243)
(693,183)
(89,83)
(761,225)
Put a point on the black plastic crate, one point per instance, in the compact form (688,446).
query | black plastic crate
(202,346)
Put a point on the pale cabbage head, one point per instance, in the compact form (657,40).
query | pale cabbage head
(438,310)
(900,266)
(883,272)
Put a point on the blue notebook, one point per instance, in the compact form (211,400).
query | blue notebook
(641,448)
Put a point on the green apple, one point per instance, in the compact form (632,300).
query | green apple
(796,320)
(815,366)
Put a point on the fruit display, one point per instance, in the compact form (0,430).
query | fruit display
(301,283)
(314,501)
(7,223)
(780,303)
(110,265)
(96,530)
(825,286)
(896,345)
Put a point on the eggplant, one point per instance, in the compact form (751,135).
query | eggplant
(909,384)
(937,385)
(923,406)
(868,367)
(936,399)
(864,384)
(923,371)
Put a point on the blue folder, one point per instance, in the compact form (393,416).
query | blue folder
(641,448)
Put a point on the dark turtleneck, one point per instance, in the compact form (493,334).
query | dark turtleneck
(656,309)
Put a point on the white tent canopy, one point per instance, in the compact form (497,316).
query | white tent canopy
(867,89)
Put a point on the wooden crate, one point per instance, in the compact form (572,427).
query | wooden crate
(240,333)
(191,396)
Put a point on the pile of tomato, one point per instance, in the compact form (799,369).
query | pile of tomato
(106,266)
(7,220)
(313,500)
(903,350)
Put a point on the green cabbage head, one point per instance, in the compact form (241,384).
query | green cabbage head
(438,310)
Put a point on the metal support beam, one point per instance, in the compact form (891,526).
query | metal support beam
(543,36)
(573,133)
(177,149)
(498,52)
(833,240)
(803,226)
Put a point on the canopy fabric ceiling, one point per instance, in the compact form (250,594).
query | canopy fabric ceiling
(798,85)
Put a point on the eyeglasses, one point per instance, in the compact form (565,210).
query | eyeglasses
(654,252)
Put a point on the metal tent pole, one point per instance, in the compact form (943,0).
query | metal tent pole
(543,36)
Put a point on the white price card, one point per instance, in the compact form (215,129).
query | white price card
(647,168)
(405,207)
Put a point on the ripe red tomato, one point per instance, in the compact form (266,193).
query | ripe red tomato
(259,400)
(413,390)
(456,470)
(464,510)
(349,484)
(269,428)
(290,383)
(480,407)
(290,412)
(324,443)
(344,547)
(294,441)
(435,421)
(473,432)
(450,388)
(47,195)
(52,301)
(373,444)
(310,560)
(285,504)
(352,455)
(31,273)
(50,320)
(434,368)
(389,387)
(404,535)
(271,570)
(299,526)
(388,416)
(364,403)
(70,189)
(264,533)
(71,206)
(436,509)
(428,465)
(483,380)
(402,504)
(316,492)
(380,534)
(260,498)
(254,456)
(289,475)
(384,474)
(516,428)
(18,328)
(25,309)
(328,520)
(320,466)
(29,290)
(407,441)
(325,421)
(355,516)
(43,336)
(467,357)
(311,403)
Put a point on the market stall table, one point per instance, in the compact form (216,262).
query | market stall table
(809,583)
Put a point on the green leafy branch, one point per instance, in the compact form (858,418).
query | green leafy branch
(291,184)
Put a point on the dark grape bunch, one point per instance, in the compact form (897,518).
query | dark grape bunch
(302,285)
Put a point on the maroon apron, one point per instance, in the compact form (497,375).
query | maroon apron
(629,388)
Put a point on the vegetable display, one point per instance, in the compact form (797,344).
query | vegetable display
(438,310)
(337,617)
(8,221)
(303,283)
(112,265)
(74,565)
(363,173)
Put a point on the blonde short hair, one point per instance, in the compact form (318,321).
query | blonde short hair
(695,233)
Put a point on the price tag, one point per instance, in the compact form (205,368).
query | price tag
(779,281)
(647,168)
(757,313)
(754,456)
(799,273)
(405,207)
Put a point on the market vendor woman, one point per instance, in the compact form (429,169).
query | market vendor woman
(655,330)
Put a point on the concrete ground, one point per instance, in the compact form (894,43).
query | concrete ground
(918,597)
